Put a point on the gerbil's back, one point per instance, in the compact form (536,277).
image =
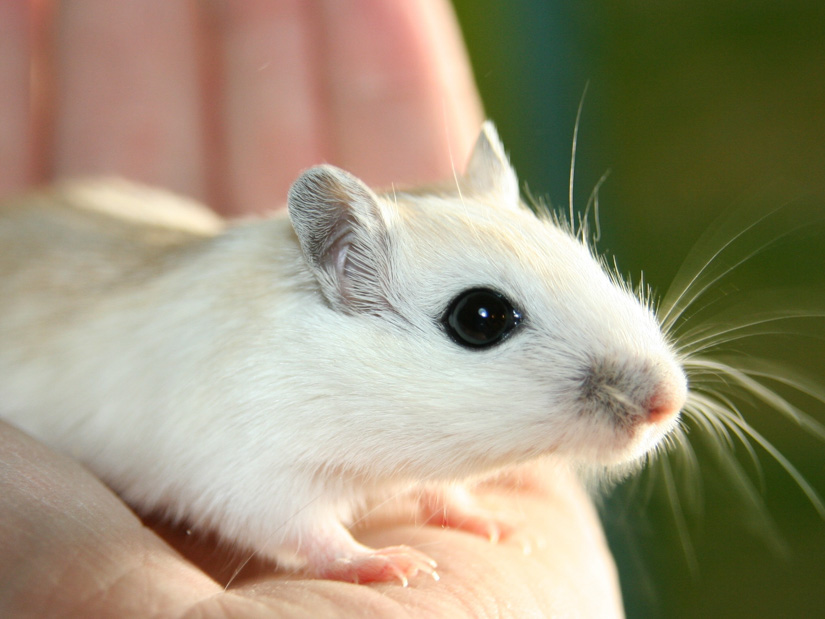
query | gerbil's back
(84,235)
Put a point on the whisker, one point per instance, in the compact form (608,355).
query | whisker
(692,338)
(709,412)
(573,158)
(714,428)
(712,409)
(669,306)
(786,464)
(775,372)
(679,519)
(667,321)
(593,201)
(252,555)
(453,169)
(364,514)
(765,394)
(690,462)
(748,491)
(713,344)
(689,454)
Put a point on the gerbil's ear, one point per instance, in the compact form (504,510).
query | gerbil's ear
(342,228)
(489,172)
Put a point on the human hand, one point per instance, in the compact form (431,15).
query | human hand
(379,88)
(228,101)
(68,545)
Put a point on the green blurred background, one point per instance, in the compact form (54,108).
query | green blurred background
(698,108)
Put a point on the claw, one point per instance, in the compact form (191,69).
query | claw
(396,563)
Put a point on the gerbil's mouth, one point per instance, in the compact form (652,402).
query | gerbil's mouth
(616,443)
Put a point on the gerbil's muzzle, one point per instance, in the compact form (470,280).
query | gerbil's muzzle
(628,393)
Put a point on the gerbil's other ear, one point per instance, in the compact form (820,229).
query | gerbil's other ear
(342,228)
(489,172)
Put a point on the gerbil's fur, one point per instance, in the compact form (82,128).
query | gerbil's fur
(266,378)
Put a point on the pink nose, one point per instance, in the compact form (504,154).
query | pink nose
(664,405)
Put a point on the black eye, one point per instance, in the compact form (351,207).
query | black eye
(480,317)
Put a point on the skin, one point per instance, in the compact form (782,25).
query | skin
(226,102)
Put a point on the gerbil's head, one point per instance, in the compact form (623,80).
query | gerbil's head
(476,330)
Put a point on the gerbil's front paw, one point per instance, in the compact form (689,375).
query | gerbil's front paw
(396,563)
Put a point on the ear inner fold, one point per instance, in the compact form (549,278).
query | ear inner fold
(342,229)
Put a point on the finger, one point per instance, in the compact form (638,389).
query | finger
(272,106)
(404,104)
(128,93)
(16,140)
(380,88)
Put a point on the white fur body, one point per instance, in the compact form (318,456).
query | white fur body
(217,374)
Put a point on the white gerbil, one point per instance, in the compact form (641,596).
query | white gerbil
(267,378)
